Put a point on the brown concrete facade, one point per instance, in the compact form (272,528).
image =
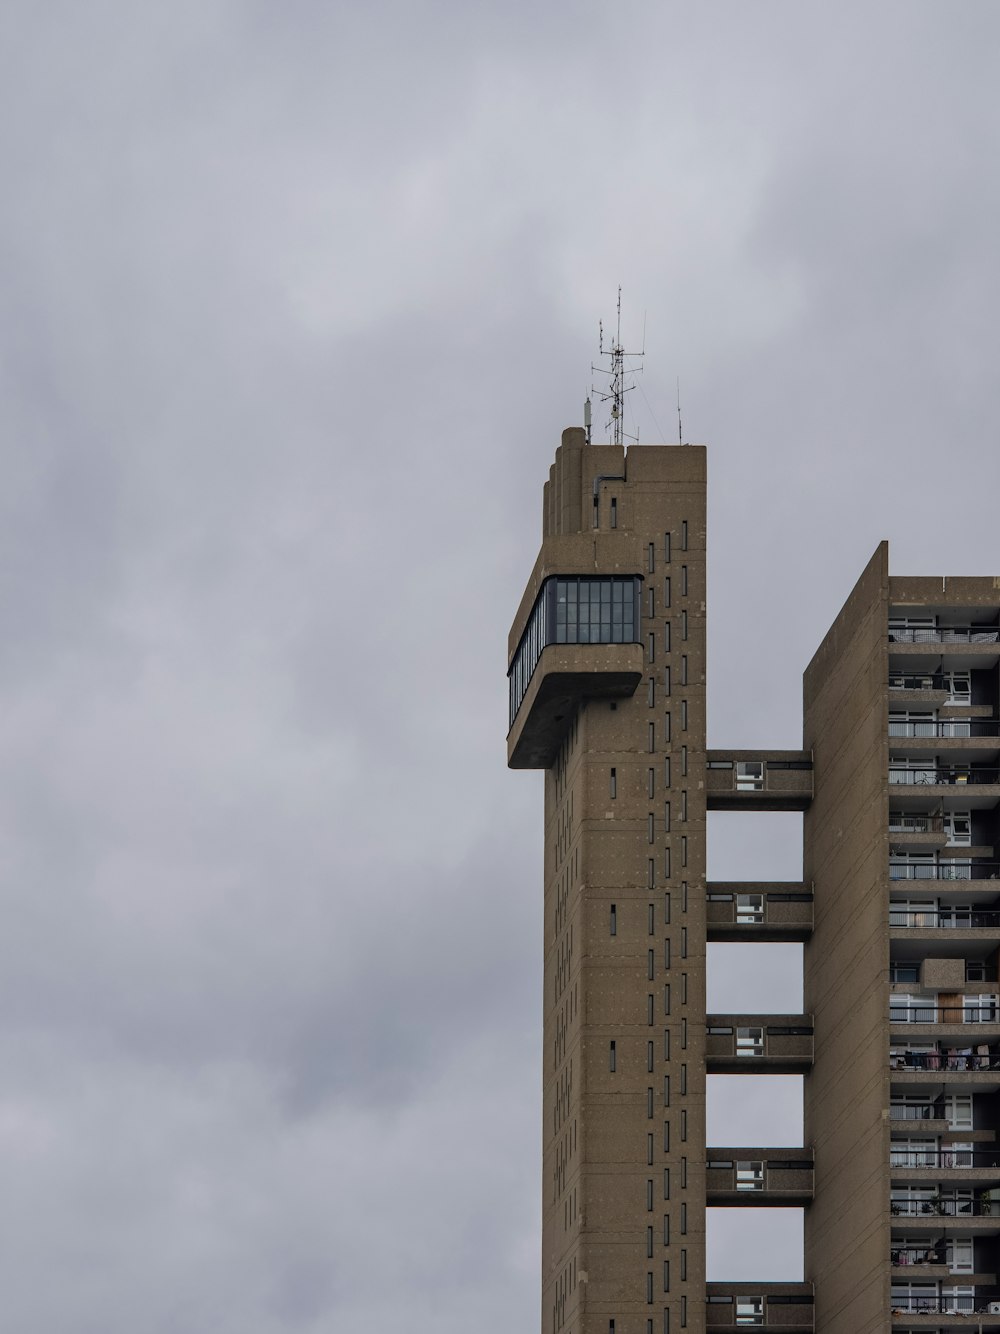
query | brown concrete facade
(624,1005)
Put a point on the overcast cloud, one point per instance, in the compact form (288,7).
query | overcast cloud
(297,299)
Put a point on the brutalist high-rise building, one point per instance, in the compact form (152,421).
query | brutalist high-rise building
(900,1045)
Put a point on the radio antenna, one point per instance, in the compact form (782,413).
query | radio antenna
(680,429)
(616,375)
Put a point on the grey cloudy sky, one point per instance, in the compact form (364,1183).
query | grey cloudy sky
(296,301)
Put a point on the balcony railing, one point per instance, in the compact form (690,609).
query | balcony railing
(904,1155)
(981,1206)
(944,918)
(956,1305)
(948,727)
(945,1014)
(946,1060)
(936,774)
(944,634)
(918,1255)
(973,868)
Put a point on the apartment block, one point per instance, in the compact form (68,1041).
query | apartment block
(899,1042)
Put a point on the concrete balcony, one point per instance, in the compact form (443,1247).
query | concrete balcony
(787,1307)
(565,675)
(759,1176)
(759,910)
(759,1044)
(758,780)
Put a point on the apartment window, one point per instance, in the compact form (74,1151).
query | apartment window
(666,771)
(684,1034)
(666,681)
(652,783)
(651,558)
(650,1005)
(684,850)
(684,1082)
(666,817)
(684,715)
(650,964)
(650,828)
(614,919)
(749,1310)
(614,511)
(666,729)
(666,1137)
(749,1042)
(649,1243)
(684,625)
(684,669)
(666,909)
(666,954)
(684,896)
(684,535)
(666,636)
(684,1264)
(666,998)
(666,863)
(684,942)
(666,1044)
(649,600)
(749,1174)
(666,1229)
(666,1276)
(649,1194)
(684,804)
(651,873)
(650,1057)
(649,1104)
(749,909)
(651,919)
(749,776)
(684,580)
(651,692)
(613,784)
(666,591)
(684,1124)
(684,1220)
(651,737)
(684,761)
(649,1289)
(649,1150)
(666,547)
(684,1173)
(684,988)
(666,1090)
(651,646)
(666,1183)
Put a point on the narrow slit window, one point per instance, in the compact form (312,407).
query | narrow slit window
(666,547)
(666,998)
(684,715)
(666,729)
(666,636)
(666,682)
(650,601)
(666,817)
(651,557)
(614,919)
(613,784)
(650,1057)
(666,591)
(614,511)
(684,625)
(666,1090)
(650,964)
(612,1057)
(684,669)
(684,581)
(649,1150)
(652,783)
(649,1010)
(651,873)
(666,863)
(651,646)
(651,828)
(651,692)
(651,919)
(651,737)
(684,535)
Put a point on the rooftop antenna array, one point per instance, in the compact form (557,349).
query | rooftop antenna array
(616,376)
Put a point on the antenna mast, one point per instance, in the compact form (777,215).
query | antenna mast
(617,388)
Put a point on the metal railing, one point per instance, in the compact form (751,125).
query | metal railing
(936,774)
(918,1255)
(944,1207)
(958,868)
(903,1155)
(944,1014)
(948,727)
(957,1305)
(945,1061)
(945,919)
(944,634)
